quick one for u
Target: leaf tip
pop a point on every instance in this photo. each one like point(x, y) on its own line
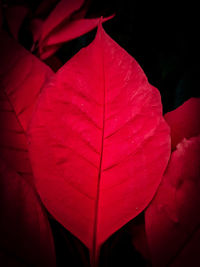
point(100, 27)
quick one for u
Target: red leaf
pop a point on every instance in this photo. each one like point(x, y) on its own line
point(73, 30)
point(61, 13)
point(63, 10)
point(21, 79)
point(184, 121)
point(173, 219)
point(26, 238)
point(67, 33)
point(63, 25)
point(95, 142)
point(15, 16)
point(49, 51)
point(36, 27)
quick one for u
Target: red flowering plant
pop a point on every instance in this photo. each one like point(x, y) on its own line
point(88, 148)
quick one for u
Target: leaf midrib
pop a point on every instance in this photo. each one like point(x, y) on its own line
point(94, 255)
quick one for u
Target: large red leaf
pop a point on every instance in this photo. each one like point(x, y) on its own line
point(184, 121)
point(26, 238)
point(173, 218)
point(98, 142)
point(21, 78)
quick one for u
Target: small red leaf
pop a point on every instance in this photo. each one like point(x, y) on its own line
point(67, 33)
point(63, 10)
point(60, 14)
point(73, 30)
point(184, 121)
point(65, 22)
point(98, 142)
point(26, 238)
point(172, 219)
point(49, 51)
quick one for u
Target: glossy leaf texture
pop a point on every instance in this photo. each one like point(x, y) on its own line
point(184, 121)
point(21, 79)
point(65, 22)
point(98, 142)
point(173, 219)
point(26, 238)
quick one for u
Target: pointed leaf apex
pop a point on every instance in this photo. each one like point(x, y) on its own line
point(100, 27)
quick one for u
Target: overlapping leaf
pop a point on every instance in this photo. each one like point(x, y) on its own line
point(21, 79)
point(173, 219)
point(63, 10)
point(65, 22)
point(98, 142)
point(76, 29)
point(26, 238)
point(184, 121)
